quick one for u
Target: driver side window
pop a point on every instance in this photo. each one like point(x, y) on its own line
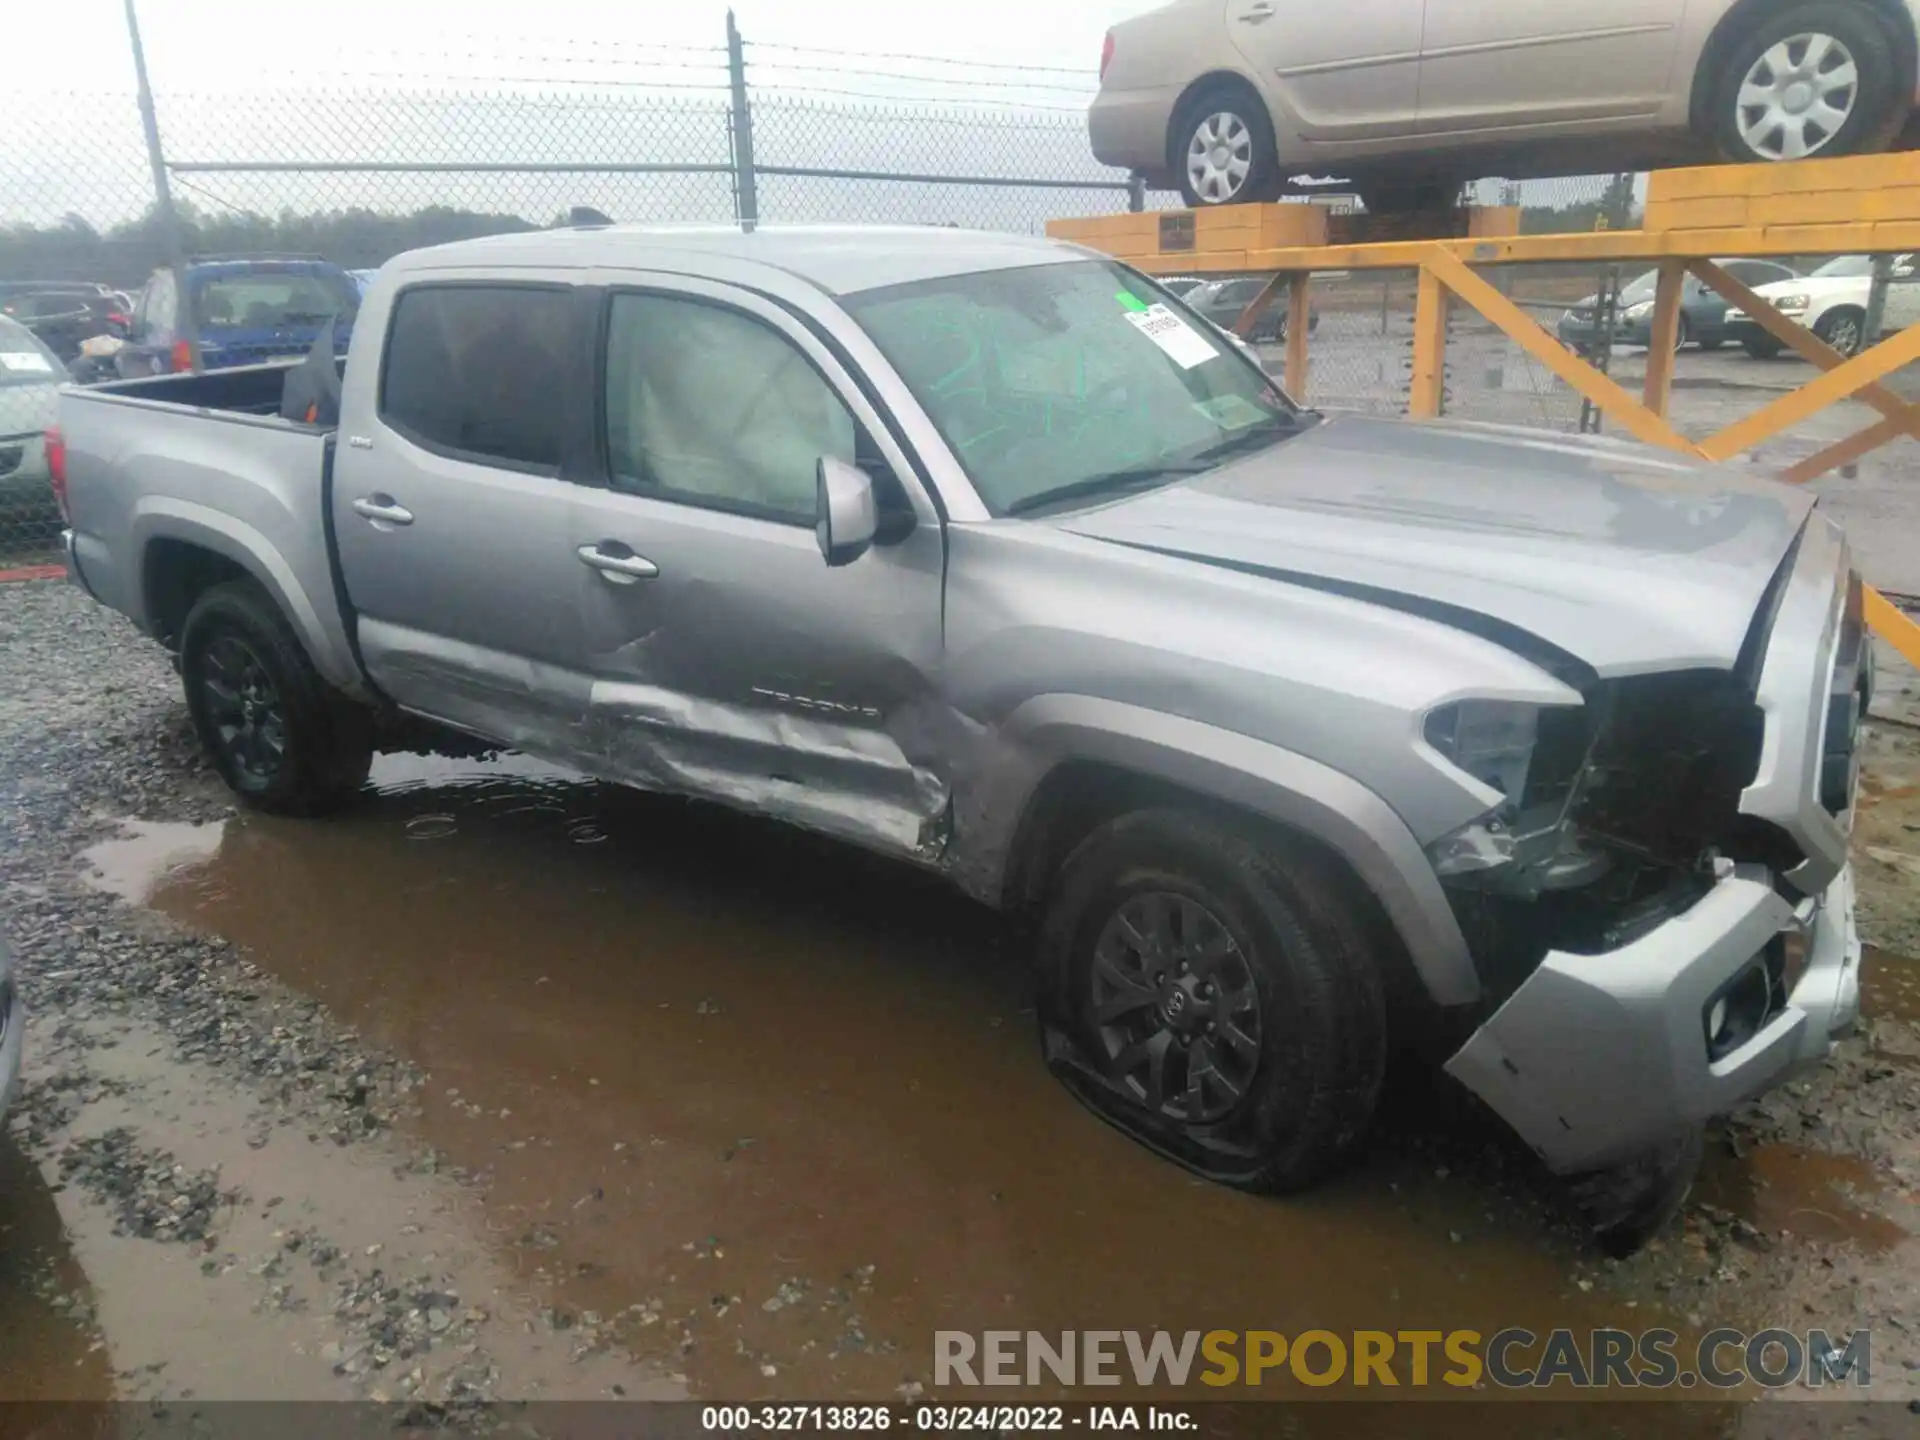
point(708, 406)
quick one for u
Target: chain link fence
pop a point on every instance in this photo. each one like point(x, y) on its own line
point(390, 162)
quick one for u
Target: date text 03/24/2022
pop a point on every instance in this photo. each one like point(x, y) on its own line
point(954, 1419)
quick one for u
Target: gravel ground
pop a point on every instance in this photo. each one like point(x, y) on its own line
point(239, 1161)
point(304, 1249)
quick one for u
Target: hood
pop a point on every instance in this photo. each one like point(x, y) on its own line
point(1815, 285)
point(1608, 552)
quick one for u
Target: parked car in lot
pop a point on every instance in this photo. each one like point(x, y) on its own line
point(30, 379)
point(240, 310)
point(1179, 285)
point(1228, 99)
point(66, 319)
point(1832, 302)
point(1703, 312)
point(1225, 301)
point(1292, 739)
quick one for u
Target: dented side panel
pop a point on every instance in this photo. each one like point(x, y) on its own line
point(750, 672)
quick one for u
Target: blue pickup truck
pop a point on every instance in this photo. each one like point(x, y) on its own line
point(242, 310)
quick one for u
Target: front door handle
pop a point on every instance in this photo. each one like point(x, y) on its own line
point(616, 562)
point(1254, 14)
point(382, 510)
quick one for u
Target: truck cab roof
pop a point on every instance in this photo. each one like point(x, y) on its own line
point(840, 259)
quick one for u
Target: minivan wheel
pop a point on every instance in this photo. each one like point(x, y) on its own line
point(1223, 148)
point(1208, 990)
point(1816, 79)
point(278, 738)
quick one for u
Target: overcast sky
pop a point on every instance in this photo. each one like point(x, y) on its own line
point(237, 44)
point(576, 81)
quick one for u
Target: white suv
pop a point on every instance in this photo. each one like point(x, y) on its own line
point(1832, 302)
point(1227, 99)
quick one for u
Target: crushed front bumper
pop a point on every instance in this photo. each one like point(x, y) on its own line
point(1596, 1057)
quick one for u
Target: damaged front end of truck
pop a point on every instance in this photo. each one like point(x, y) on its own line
point(1657, 897)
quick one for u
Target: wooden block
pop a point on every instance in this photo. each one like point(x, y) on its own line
point(1697, 214)
point(1293, 225)
point(1893, 235)
point(1838, 239)
point(1824, 207)
point(1900, 203)
point(1699, 182)
point(1492, 222)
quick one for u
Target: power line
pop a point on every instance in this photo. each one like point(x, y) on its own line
point(923, 59)
point(1010, 106)
point(969, 81)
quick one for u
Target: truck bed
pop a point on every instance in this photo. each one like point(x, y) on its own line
point(166, 469)
point(242, 390)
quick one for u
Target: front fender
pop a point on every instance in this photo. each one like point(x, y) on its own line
point(1290, 789)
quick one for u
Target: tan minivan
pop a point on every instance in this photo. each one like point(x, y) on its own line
point(1230, 100)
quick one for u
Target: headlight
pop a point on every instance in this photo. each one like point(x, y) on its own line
point(1492, 740)
point(1638, 312)
point(1793, 302)
point(1525, 837)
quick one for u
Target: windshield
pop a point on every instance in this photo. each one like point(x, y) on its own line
point(1643, 288)
point(1846, 267)
point(24, 360)
point(266, 300)
point(1058, 383)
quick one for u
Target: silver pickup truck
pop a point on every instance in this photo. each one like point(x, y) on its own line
point(1292, 740)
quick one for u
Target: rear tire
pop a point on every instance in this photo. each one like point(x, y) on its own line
point(1797, 57)
point(1763, 347)
point(1222, 148)
point(282, 741)
point(1212, 993)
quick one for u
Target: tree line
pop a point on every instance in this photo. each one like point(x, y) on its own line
point(124, 255)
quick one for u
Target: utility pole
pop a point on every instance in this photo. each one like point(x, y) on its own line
point(746, 200)
point(162, 192)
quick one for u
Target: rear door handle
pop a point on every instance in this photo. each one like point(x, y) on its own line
point(382, 510)
point(616, 562)
point(1254, 14)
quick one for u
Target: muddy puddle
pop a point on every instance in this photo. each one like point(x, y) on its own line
point(786, 1099)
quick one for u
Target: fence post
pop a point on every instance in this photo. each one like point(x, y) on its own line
point(1136, 192)
point(162, 191)
point(1876, 301)
point(746, 199)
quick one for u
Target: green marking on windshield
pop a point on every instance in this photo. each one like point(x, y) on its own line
point(1130, 301)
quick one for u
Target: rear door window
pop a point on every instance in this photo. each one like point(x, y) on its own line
point(475, 371)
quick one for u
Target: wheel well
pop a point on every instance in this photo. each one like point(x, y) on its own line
point(1748, 13)
point(1078, 796)
point(175, 574)
point(1213, 79)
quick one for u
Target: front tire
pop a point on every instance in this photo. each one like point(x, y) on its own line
point(1762, 347)
point(1819, 79)
point(1209, 990)
point(278, 737)
point(1222, 148)
point(1844, 328)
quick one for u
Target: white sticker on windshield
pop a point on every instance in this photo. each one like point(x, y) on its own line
point(24, 360)
point(1186, 346)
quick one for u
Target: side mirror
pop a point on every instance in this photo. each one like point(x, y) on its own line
point(846, 513)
